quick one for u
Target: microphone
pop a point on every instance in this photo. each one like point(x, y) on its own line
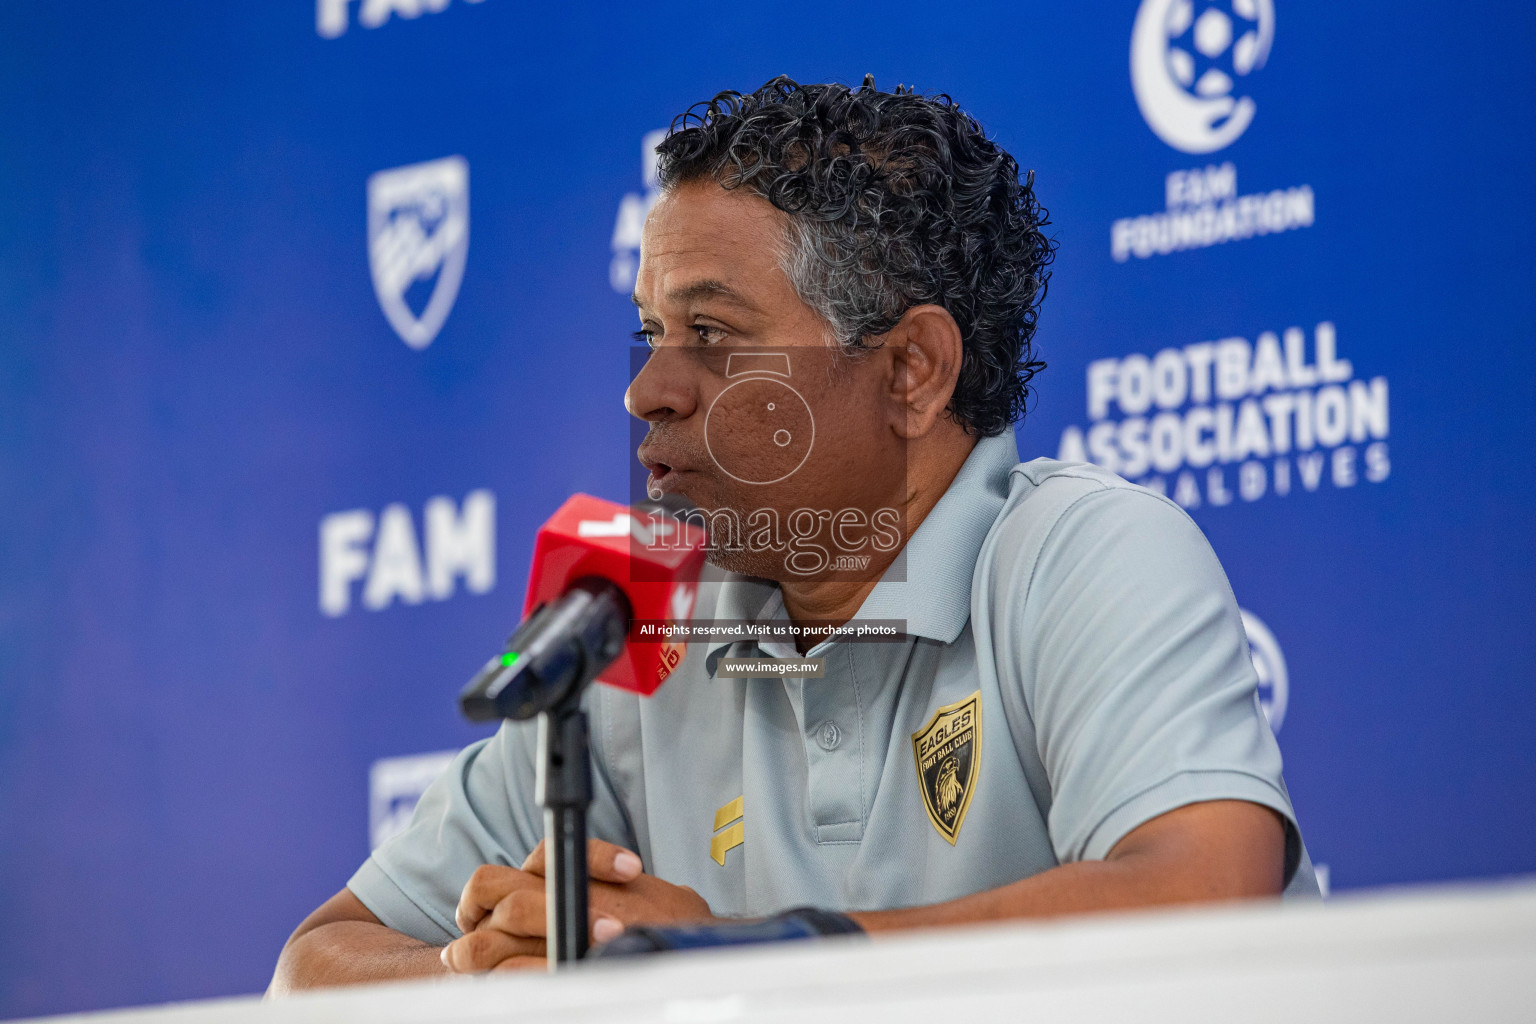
point(597, 567)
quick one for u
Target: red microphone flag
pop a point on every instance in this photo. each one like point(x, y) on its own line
point(653, 558)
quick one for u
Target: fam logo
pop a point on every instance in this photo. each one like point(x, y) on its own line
point(331, 16)
point(629, 225)
point(1269, 663)
point(384, 553)
point(418, 243)
point(1234, 418)
point(1185, 68)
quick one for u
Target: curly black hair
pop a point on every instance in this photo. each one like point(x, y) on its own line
point(894, 200)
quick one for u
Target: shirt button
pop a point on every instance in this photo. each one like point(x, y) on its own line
point(828, 736)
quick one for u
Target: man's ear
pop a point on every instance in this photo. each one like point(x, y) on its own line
point(926, 351)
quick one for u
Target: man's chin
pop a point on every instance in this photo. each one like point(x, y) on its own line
point(693, 490)
point(767, 565)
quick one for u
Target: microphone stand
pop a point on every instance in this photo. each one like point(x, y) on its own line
point(544, 671)
point(564, 789)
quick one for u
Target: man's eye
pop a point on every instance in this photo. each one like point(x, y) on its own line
point(709, 335)
point(645, 337)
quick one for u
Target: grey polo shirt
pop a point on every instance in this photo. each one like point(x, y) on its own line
point(1075, 666)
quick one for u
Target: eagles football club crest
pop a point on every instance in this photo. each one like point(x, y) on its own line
point(948, 752)
point(418, 242)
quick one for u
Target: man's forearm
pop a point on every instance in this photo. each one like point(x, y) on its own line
point(1219, 850)
point(1068, 889)
point(351, 953)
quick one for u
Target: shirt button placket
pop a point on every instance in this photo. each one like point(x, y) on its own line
point(832, 752)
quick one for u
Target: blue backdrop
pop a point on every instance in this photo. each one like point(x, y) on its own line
point(263, 508)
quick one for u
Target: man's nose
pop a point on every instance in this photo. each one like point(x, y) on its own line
point(664, 389)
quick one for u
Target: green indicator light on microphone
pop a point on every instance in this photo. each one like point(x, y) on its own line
point(510, 658)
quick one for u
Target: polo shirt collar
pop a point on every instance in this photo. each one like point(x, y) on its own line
point(933, 590)
point(929, 584)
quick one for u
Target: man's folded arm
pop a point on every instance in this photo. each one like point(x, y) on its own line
point(396, 913)
point(1213, 850)
point(343, 943)
point(398, 910)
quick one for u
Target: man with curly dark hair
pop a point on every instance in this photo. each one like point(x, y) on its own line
point(839, 289)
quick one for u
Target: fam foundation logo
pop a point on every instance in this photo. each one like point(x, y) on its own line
point(1233, 419)
point(629, 225)
point(1189, 59)
point(1186, 68)
point(418, 244)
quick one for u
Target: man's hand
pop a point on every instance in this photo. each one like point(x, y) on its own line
point(501, 911)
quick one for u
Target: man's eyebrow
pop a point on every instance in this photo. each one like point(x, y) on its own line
point(706, 289)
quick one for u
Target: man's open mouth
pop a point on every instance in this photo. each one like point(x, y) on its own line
point(673, 459)
point(665, 475)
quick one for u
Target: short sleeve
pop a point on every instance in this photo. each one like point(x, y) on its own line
point(1129, 646)
point(480, 811)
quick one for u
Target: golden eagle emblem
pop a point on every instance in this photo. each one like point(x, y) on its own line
point(950, 790)
point(948, 753)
